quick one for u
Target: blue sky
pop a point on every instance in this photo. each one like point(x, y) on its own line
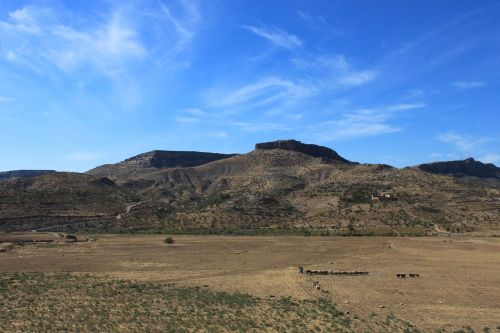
point(84, 83)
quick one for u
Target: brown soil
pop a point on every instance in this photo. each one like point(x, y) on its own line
point(459, 282)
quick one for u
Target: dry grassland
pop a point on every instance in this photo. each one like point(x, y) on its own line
point(458, 288)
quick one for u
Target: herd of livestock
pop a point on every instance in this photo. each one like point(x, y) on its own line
point(316, 272)
point(311, 272)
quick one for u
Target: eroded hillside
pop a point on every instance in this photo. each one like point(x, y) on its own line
point(284, 185)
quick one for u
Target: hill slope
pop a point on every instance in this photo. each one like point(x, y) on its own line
point(23, 173)
point(61, 199)
point(289, 189)
point(468, 167)
point(153, 161)
point(280, 185)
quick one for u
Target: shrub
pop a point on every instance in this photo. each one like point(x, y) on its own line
point(169, 240)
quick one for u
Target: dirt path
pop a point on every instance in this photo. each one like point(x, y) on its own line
point(129, 208)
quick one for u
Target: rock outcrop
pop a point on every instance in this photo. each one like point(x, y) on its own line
point(153, 161)
point(468, 167)
point(324, 153)
point(176, 159)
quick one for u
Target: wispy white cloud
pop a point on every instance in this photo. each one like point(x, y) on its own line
point(191, 115)
point(276, 36)
point(362, 123)
point(185, 24)
point(357, 78)
point(405, 106)
point(355, 125)
point(195, 112)
point(334, 71)
point(217, 124)
point(37, 36)
point(43, 38)
point(125, 44)
point(282, 94)
point(263, 92)
point(317, 22)
point(464, 143)
point(469, 84)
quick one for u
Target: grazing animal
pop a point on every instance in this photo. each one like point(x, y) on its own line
point(401, 275)
point(414, 275)
point(301, 270)
point(71, 238)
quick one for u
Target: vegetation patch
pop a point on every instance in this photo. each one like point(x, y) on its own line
point(37, 302)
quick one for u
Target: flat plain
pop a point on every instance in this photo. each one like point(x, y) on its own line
point(458, 288)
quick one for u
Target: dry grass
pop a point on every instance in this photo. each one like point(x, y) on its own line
point(36, 302)
point(459, 284)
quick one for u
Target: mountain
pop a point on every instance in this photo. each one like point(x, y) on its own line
point(153, 161)
point(23, 173)
point(324, 153)
point(468, 167)
point(281, 185)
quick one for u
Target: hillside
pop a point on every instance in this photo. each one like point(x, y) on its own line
point(153, 161)
point(23, 173)
point(468, 167)
point(291, 190)
point(60, 199)
point(283, 185)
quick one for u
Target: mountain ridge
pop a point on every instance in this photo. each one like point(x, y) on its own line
point(467, 167)
point(155, 160)
point(11, 174)
point(277, 186)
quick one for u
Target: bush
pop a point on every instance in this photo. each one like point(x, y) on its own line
point(169, 240)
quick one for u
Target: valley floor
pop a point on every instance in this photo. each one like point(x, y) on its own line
point(458, 287)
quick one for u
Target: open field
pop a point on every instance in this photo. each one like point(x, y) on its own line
point(459, 284)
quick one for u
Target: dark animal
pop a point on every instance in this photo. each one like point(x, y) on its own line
point(401, 275)
point(414, 275)
point(71, 238)
point(301, 270)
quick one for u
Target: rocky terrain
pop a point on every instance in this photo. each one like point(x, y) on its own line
point(153, 161)
point(61, 199)
point(468, 167)
point(282, 187)
point(326, 154)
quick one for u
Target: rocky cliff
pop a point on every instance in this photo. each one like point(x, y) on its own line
point(324, 153)
point(468, 167)
point(153, 161)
